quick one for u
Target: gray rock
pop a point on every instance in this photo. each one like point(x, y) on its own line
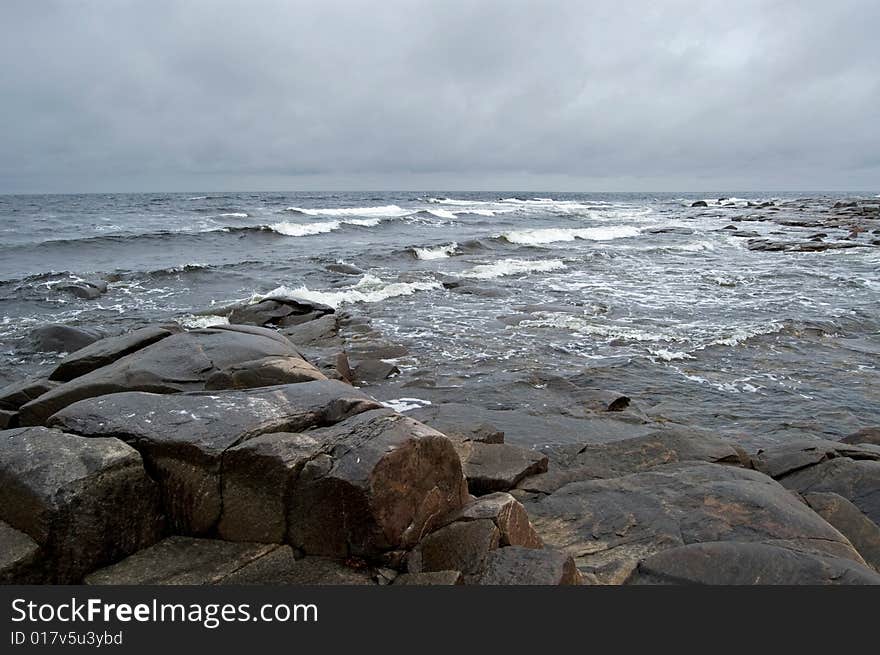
point(87, 502)
point(462, 546)
point(344, 269)
point(448, 419)
point(793, 456)
point(106, 351)
point(265, 372)
point(19, 557)
point(381, 481)
point(492, 467)
point(87, 290)
point(516, 565)
point(374, 370)
point(183, 437)
point(865, 435)
point(62, 338)
point(508, 515)
point(856, 480)
point(863, 533)
point(729, 563)
point(279, 567)
point(180, 362)
point(429, 578)
point(320, 330)
point(14, 395)
point(275, 310)
point(700, 203)
point(8, 419)
point(610, 525)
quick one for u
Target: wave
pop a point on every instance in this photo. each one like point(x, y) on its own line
point(512, 267)
point(233, 215)
point(385, 211)
point(308, 229)
point(439, 252)
point(368, 290)
point(553, 235)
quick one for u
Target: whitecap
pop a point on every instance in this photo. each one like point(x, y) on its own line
point(552, 235)
point(304, 229)
point(369, 289)
point(439, 252)
point(405, 404)
point(233, 215)
point(442, 213)
point(512, 267)
point(385, 211)
point(192, 321)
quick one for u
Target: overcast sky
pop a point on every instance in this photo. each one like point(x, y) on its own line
point(153, 95)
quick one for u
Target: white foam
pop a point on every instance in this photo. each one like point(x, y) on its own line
point(233, 215)
point(440, 252)
point(669, 355)
point(384, 211)
point(304, 229)
point(552, 235)
point(369, 289)
point(512, 267)
point(192, 321)
point(405, 404)
point(441, 213)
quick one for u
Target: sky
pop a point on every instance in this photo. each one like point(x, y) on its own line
point(627, 95)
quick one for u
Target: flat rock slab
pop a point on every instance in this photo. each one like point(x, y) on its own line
point(86, 502)
point(14, 395)
point(176, 363)
point(265, 372)
point(492, 467)
point(379, 482)
point(862, 532)
point(793, 456)
point(106, 351)
point(611, 460)
point(279, 567)
point(429, 578)
point(729, 563)
point(182, 437)
point(516, 565)
point(865, 435)
point(608, 526)
point(321, 330)
point(182, 561)
point(19, 557)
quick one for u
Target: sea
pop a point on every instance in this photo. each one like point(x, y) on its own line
point(638, 293)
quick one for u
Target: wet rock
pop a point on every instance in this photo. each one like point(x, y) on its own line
point(14, 395)
point(268, 333)
point(61, 338)
point(322, 329)
point(256, 482)
point(279, 567)
point(8, 419)
point(182, 561)
point(382, 480)
point(865, 435)
point(344, 269)
point(449, 419)
point(463, 546)
point(374, 370)
point(108, 350)
point(86, 502)
point(516, 565)
point(728, 563)
point(508, 515)
point(492, 467)
point(601, 400)
point(183, 437)
point(87, 290)
point(19, 557)
point(863, 533)
point(429, 578)
point(795, 455)
point(700, 203)
point(856, 480)
point(176, 363)
point(609, 525)
point(265, 372)
point(276, 311)
point(601, 461)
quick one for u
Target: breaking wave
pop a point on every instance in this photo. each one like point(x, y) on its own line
point(552, 235)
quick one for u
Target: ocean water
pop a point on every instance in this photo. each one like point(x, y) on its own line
point(640, 293)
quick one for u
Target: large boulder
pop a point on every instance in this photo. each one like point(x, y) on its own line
point(508, 515)
point(265, 372)
point(16, 394)
point(60, 338)
point(176, 363)
point(609, 525)
point(461, 546)
point(793, 456)
point(86, 502)
point(277, 311)
point(862, 532)
point(379, 482)
point(856, 480)
point(515, 565)
point(19, 557)
point(183, 437)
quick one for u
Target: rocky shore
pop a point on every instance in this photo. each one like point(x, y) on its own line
point(255, 452)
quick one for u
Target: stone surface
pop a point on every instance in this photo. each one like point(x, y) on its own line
point(14, 395)
point(322, 329)
point(429, 578)
point(379, 482)
point(462, 546)
point(865, 435)
point(108, 350)
point(863, 533)
point(279, 567)
point(498, 467)
point(8, 419)
point(374, 370)
point(265, 372)
point(509, 516)
point(609, 525)
point(87, 502)
point(182, 437)
point(516, 565)
point(182, 561)
point(728, 563)
point(856, 480)
point(793, 456)
point(276, 311)
point(60, 338)
point(176, 363)
point(19, 557)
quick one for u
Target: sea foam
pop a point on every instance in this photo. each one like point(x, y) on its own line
point(552, 235)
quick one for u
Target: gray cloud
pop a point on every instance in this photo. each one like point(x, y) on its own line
point(198, 94)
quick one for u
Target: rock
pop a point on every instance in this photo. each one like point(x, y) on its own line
point(863, 533)
point(463, 546)
point(87, 290)
point(492, 467)
point(321, 329)
point(86, 502)
point(374, 370)
point(268, 333)
point(856, 480)
point(14, 395)
point(257, 479)
point(8, 418)
point(382, 481)
point(728, 563)
point(19, 557)
point(611, 460)
point(265, 372)
point(508, 515)
point(62, 338)
point(182, 561)
point(106, 351)
point(275, 310)
point(792, 456)
point(610, 525)
point(183, 437)
point(344, 269)
point(700, 203)
point(865, 435)
point(279, 567)
point(429, 578)
point(516, 565)
point(176, 363)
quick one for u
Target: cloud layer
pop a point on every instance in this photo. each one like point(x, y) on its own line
point(198, 94)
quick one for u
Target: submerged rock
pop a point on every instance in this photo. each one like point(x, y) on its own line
point(60, 338)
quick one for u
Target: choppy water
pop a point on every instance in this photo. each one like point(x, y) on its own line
point(639, 293)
